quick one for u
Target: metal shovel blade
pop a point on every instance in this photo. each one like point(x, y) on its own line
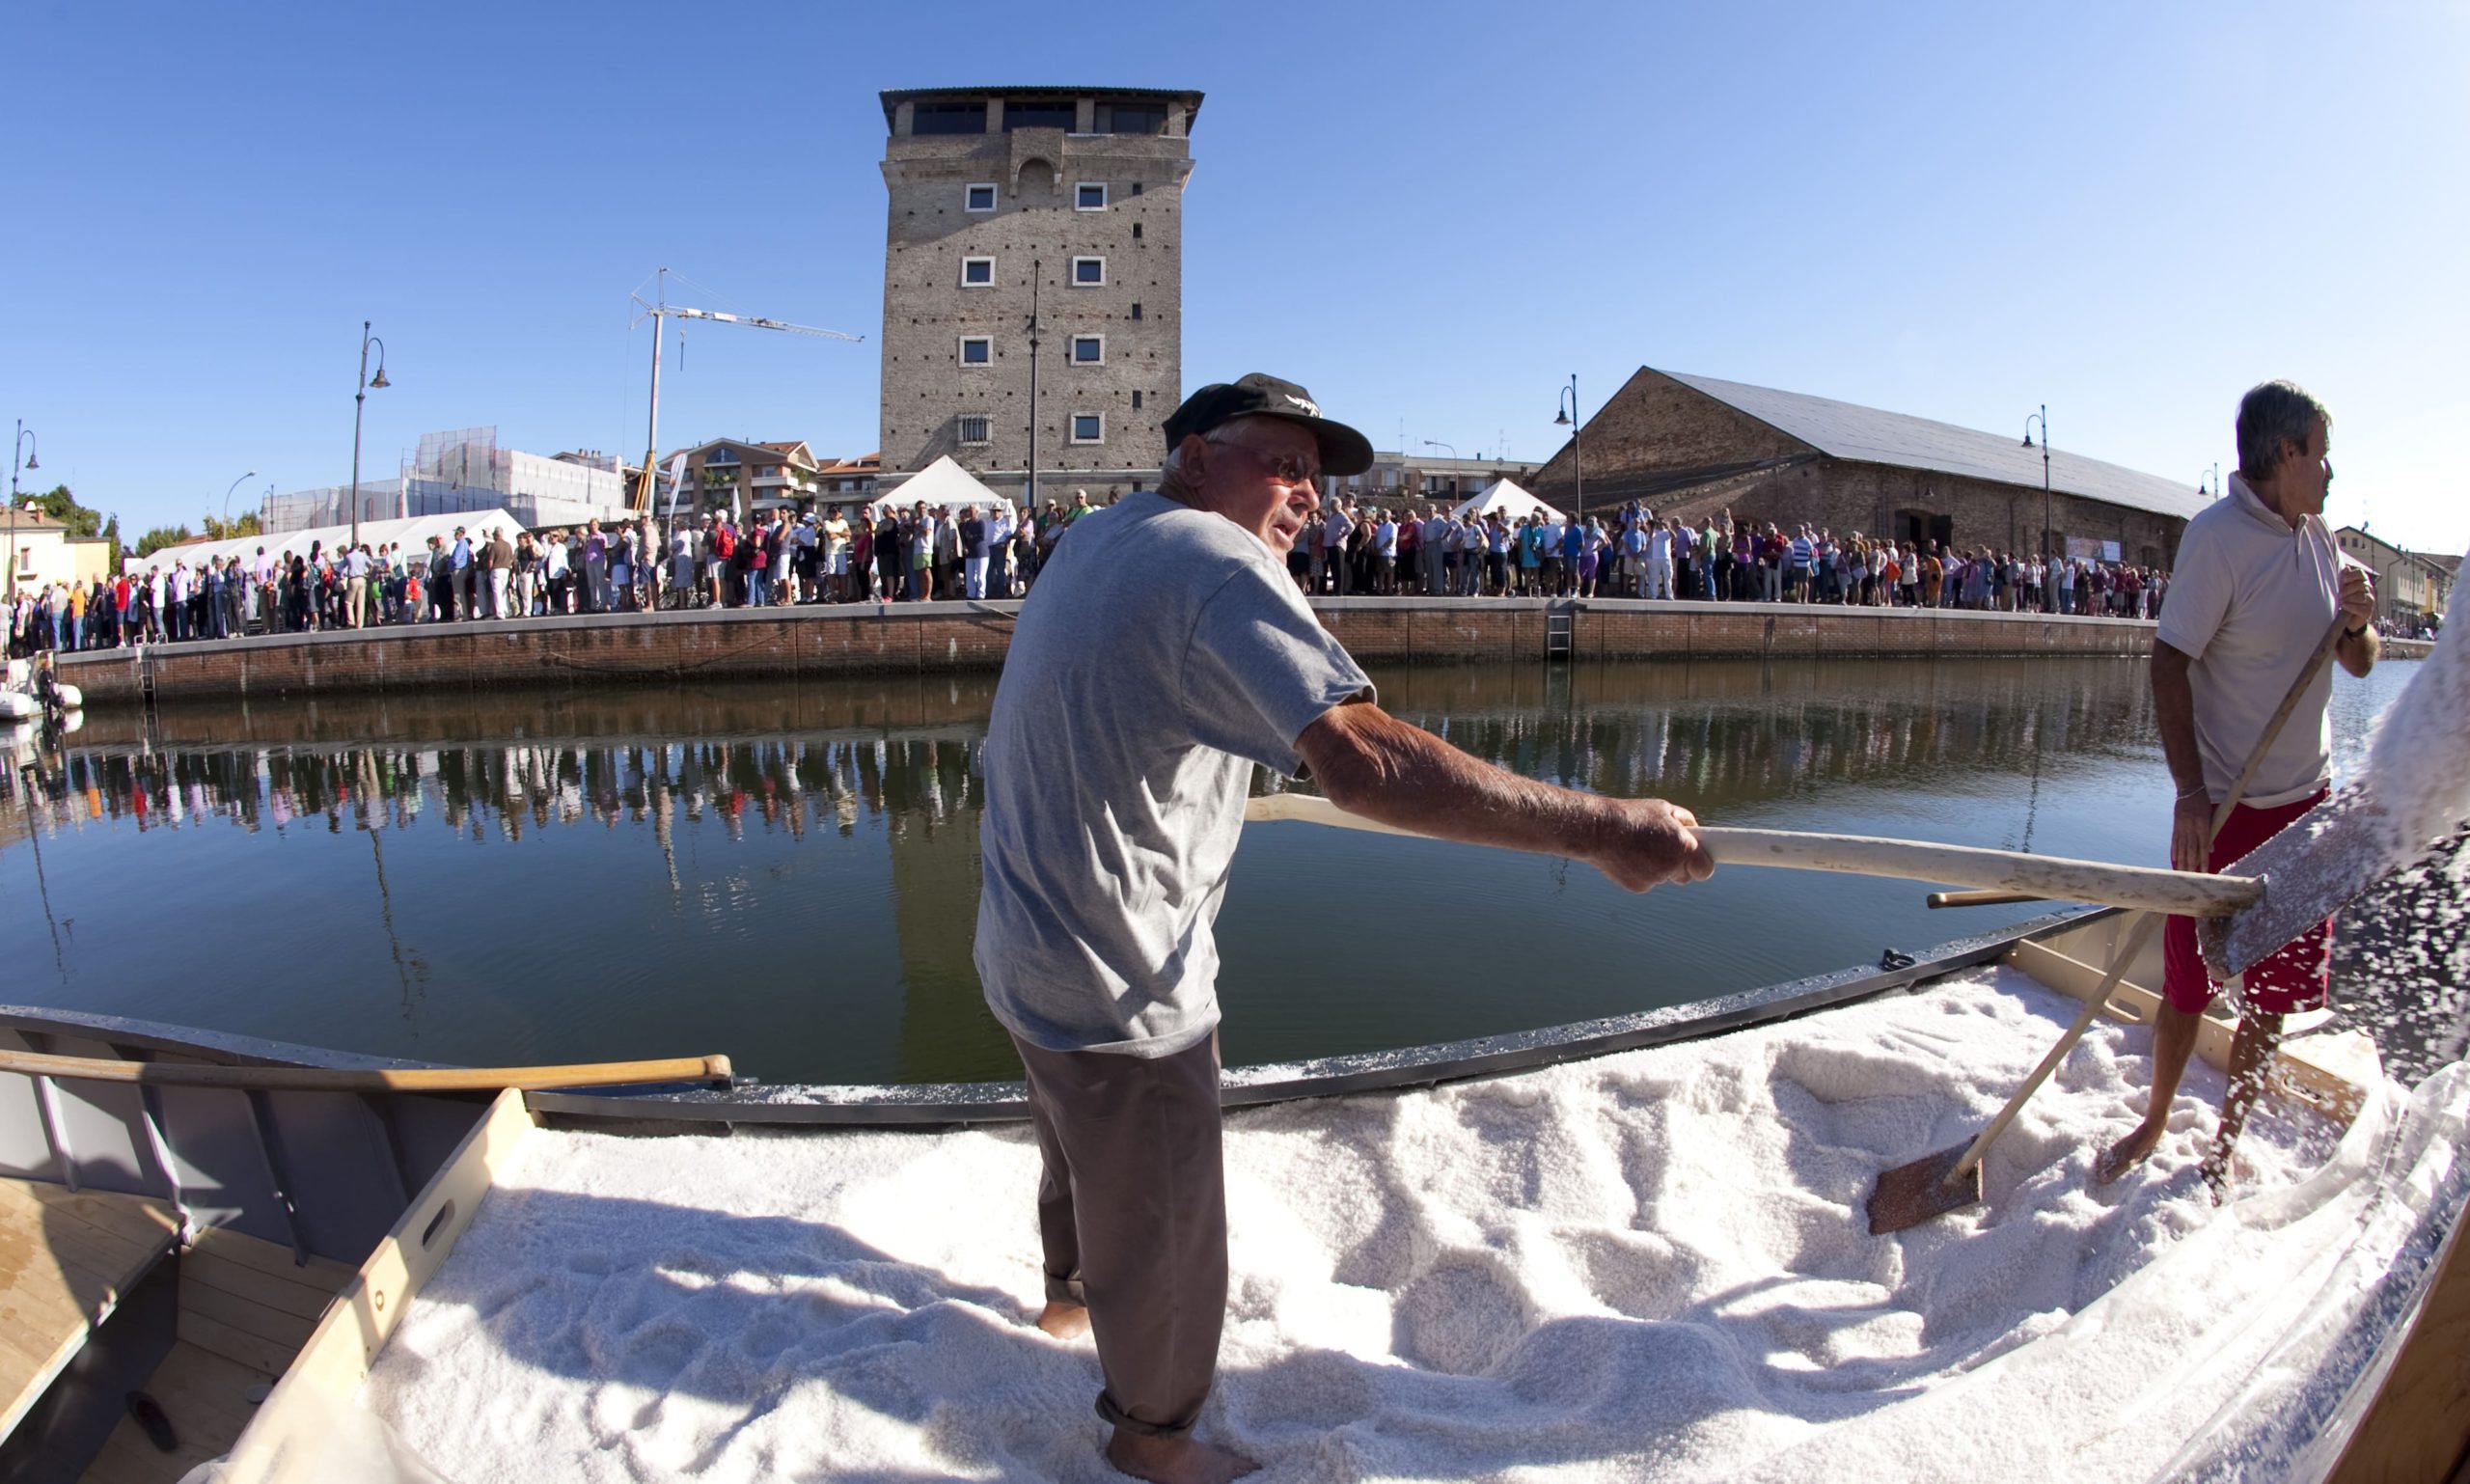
point(1909, 1195)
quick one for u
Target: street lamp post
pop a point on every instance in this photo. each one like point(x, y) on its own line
point(2209, 490)
point(24, 445)
point(227, 500)
point(1569, 419)
point(2043, 418)
point(1455, 491)
point(357, 400)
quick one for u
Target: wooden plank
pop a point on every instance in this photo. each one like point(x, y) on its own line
point(116, 1240)
point(272, 1325)
point(64, 1267)
point(272, 1259)
point(284, 1443)
point(129, 1458)
point(201, 1269)
point(209, 1332)
point(2418, 1427)
point(136, 1219)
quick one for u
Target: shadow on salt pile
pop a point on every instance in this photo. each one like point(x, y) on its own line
point(703, 1313)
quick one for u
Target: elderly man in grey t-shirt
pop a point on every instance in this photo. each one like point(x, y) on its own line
point(1162, 654)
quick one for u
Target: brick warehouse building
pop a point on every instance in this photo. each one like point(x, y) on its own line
point(1692, 446)
point(1083, 186)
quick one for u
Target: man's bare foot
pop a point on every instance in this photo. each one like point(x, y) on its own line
point(1064, 1319)
point(2127, 1153)
point(1185, 1460)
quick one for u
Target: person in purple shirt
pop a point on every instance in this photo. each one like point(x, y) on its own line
point(595, 569)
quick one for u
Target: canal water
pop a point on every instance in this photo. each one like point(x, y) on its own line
point(788, 873)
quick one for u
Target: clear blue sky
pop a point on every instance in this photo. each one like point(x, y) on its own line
point(1430, 214)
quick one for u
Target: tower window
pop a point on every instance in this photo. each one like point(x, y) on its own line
point(1089, 350)
point(1086, 272)
point(980, 195)
point(1089, 196)
point(977, 350)
point(1088, 427)
point(1135, 231)
point(1135, 308)
point(1135, 401)
point(948, 119)
point(978, 272)
point(974, 430)
point(1132, 118)
point(1038, 113)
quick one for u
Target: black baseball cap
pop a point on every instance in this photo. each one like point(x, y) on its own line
point(1343, 450)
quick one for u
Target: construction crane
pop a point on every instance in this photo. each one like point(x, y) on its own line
point(660, 309)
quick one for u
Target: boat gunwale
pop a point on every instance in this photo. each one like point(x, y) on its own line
point(940, 1104)
point(928, 1105)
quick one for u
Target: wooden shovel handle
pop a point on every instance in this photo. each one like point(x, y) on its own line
point(2036, 875)
point(319, 1078)
point(2146, 887)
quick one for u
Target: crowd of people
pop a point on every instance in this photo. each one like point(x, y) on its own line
point(1630, 551)
point(884, 553)
point(772, 559)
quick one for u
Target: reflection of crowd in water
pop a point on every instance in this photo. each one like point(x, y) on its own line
point(1734, 742)
point(776, 783)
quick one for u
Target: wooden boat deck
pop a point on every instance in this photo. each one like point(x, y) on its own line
point(245, 1311)
point(67, 1260)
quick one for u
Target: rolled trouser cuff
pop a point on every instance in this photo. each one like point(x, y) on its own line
point(1115, 1414)
point(1066, 1290)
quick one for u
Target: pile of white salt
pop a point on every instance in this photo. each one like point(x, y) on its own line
point(1645, 1266)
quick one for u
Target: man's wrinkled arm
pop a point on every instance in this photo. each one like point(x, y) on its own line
point(1370, 763)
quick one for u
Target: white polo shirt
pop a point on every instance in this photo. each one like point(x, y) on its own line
point(2250, 600)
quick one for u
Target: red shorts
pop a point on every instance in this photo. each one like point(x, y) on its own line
point(2297, 977)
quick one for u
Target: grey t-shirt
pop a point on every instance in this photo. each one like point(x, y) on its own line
point(1162, 652)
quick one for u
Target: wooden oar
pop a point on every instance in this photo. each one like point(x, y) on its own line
point(1950, 1180)
point(2033, 875)
point(319, 1078)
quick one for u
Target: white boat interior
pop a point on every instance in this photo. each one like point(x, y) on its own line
point(1625, 1249)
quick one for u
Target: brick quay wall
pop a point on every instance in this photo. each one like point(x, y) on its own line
point(926, 638)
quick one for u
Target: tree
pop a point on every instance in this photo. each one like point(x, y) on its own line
point(61, 505)
point(111, 534)
point(247, 524)
point(161, 537)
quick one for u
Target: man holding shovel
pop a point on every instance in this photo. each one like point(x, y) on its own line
point(2259, 581)
point(1161, 655)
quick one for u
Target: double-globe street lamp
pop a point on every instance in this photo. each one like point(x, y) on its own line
point(1569, 419)
point(25, 446)
point(2043, 418)
point(359, 400)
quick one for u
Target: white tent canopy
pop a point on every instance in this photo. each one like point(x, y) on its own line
point(1513, 502)
point(412, 533)
point(944, 485)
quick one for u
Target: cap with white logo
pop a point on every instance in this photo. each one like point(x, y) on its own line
point(1343, 450)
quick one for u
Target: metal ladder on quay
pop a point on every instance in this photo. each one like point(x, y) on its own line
point(1558, 624)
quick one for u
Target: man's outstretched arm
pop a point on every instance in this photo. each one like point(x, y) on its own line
point(1370, 763)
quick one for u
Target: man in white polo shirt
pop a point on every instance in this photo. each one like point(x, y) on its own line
point(1161, 655)
point(2258, 581)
